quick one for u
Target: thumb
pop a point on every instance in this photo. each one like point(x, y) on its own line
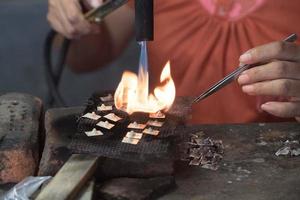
point(93, 3)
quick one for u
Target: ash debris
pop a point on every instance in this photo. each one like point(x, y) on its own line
point(204, 152)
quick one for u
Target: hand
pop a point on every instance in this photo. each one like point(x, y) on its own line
point(66, 17)
point(278, 75)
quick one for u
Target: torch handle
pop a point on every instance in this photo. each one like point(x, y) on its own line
point(144, 20)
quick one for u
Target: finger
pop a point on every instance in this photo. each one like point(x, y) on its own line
point(279, 87)
point(69, 30)
point(271, 71)
point(276, 50)
point(282, 109)
point(55, 22)
point(76, 18)
point(92, 3)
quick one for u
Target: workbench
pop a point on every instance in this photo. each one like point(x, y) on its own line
point(249, 170)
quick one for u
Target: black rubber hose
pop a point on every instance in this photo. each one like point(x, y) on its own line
point(54, 72)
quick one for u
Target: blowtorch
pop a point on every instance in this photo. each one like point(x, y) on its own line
point(144, 25)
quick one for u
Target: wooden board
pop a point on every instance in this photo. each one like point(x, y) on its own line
point(71, 178)
point(87, 191)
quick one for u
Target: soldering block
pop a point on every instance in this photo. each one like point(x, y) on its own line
point(19, 136)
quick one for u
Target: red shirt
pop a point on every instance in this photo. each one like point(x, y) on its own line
point(203, 39)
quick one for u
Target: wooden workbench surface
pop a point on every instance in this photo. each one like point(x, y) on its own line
point(250, 169)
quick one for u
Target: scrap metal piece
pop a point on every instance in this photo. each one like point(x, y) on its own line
point(104, 108)
point(113, 117)
point(135, 135)
point(290, 148)
point(105, 124)
point(107, 98)
point(206, 153)
point(92, 116)
point(157, 115)
point(135, 125)
point(155, 123)
point(195, 161)
point(93, 132)
point(130, 140)
point(151, 131)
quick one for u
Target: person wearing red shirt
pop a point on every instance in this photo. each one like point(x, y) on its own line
point(204, 40)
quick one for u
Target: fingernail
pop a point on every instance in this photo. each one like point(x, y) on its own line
point(267, 106)
point(243, 79)
point(248, 89)
point(245, 58)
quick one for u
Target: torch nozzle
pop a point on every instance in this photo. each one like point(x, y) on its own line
point(144, 20)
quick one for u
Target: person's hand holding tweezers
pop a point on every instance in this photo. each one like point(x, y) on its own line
point(277, 76)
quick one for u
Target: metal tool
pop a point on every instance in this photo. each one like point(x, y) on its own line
point(233, 75)
point(97, 14)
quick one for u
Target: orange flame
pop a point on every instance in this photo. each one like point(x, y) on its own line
point(132, 93)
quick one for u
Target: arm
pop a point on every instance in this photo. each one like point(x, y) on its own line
point(92, 45)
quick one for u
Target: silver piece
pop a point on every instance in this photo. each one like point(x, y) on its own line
point(104, 108)
point(151, 131)
point(135, 125)
point(112, 117)
point(130, 140)
point(195, 161)
point(93, 132)
point(92, 115)
point(105, 124)
point(155, 123)
point(135, 135)
point(283, 151)
point(157, 115)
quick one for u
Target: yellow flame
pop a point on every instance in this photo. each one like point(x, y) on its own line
point(132, 92)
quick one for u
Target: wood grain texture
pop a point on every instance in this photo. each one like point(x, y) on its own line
point(87, 191)
point(71, 178)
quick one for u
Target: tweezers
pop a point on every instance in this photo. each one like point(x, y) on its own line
point(232, 76)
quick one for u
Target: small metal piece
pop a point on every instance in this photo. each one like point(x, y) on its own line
point(151, 131)
point(233, 75)
point(92, 115)
point(135, 135)
point(105, 125)
point(195, 161)
point(135, 125)
point(104, 108)
point(155, 123)
point(109, 97)
point(93, 132)
point(130, 140)
point(158, 115)
point(112, 117)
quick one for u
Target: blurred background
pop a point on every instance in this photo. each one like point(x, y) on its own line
point(23, 28)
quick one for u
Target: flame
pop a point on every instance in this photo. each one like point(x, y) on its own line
point(132, 94)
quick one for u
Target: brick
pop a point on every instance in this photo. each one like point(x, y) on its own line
point(19, 136)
